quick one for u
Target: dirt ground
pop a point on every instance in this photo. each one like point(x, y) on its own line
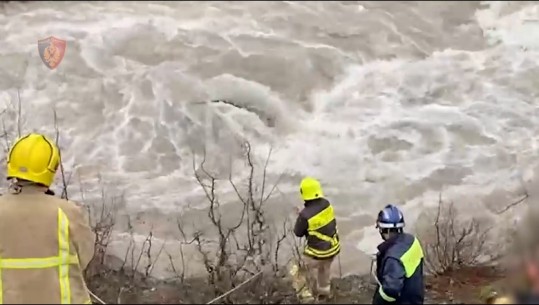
point(464, 286)
point(461, 287)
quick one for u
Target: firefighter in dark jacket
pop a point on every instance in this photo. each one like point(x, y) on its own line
point(316, 221)
point(399, 262)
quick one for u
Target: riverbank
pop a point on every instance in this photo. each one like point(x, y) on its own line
point(113, 287)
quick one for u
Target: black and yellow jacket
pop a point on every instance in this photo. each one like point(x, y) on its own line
point(317, 223)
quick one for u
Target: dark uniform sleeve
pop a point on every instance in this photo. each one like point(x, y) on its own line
point(392, 282)
point(300, 229)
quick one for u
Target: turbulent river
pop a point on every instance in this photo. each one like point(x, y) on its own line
point(384, 102)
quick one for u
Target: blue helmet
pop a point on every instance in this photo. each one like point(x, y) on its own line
point(390, 217)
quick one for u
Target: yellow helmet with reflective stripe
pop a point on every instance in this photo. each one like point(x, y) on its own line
point(310, 189)
point(33, 158)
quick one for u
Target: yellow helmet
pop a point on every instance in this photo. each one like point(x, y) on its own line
point(34, 158)
point(310, 189)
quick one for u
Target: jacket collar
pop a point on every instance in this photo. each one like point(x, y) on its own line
point(27, 188)
point(311, 202)
point(383, 247)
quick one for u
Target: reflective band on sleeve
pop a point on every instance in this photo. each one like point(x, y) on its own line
point(63, 253)
point(385, 296)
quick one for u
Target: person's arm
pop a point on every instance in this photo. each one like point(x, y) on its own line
point(300, 229)
point(83, 238)
point(391, 282)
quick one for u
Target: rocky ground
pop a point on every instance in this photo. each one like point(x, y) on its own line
point(462, 287)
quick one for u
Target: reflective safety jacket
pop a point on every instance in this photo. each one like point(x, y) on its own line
point(317, 222)
point(45, 245)
point(399, 269)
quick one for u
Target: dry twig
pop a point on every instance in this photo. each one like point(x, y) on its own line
point(235, 288)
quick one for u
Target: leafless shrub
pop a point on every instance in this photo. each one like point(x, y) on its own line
point(244, 247)
point(242, 256)
point(453, 241)
point(12, 110)
point(102, 217)
point(12, 120)
point(102, 221)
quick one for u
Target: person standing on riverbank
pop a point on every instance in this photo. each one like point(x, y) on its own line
point(316, 222)
point(399, 262)
point(45, 242)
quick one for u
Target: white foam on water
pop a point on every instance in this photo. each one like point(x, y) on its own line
point(514, 28)
point(378, 112)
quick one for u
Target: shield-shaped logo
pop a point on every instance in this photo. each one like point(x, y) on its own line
point(51, 51)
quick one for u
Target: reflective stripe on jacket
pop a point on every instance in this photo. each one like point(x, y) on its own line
point(400, 271)
point(45, 245)
point(317, 222)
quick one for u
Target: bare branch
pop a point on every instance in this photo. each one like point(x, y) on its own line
point(264, 175)
point(19, 115)
point(513, 204)
point(235, 289)
point(454, 242)
point(64, 182)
